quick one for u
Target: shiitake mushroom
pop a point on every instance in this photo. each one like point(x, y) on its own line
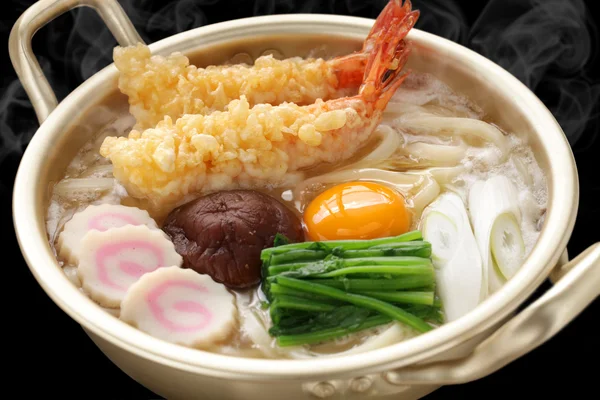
point(222, 234)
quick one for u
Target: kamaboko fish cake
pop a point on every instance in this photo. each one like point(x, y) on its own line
point(251, 147)
point(159, 86)
point(180, 306)
point(112, 260)
point(98, 217)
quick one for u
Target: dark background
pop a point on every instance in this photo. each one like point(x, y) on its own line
point(551, 45)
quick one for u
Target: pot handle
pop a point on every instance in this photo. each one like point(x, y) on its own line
point(35, 17)
point(577, 284)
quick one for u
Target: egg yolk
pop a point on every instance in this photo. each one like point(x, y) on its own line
point(356, 210)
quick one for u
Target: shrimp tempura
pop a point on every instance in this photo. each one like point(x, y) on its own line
point(250, 147)
point(160, 86)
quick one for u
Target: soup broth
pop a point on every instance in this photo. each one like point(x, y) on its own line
point(430, 141)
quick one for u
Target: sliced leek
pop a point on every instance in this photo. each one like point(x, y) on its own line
point(443, 235)
point(475, 193)
point(496, 218)
point(455, 255)
point(508, 247)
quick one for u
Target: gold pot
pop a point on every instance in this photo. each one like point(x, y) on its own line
point(469, 348)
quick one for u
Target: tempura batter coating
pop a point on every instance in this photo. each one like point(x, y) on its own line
point(250, 147)
point(240, 147)
point(159, 86)
point(169, 86)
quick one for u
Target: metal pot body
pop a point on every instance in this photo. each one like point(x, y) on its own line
point(176, 384)
point(476, 345)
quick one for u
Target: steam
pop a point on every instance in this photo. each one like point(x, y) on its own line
point(443, 18)
point(547, 44)
point(14, 100)
point(270, 7)
point(182, 15)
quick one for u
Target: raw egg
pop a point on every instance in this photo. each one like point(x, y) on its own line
point(356, 210)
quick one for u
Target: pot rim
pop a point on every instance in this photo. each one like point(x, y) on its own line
point(562, 208)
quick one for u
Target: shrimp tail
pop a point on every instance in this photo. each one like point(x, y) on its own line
point(350, 69)
point(393, 10)
point(383, 72)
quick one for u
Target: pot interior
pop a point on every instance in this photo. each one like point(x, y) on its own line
point(106, 103)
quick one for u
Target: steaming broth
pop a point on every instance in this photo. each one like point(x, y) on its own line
point(425, 163)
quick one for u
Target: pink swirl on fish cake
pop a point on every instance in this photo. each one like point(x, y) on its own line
point(96, 221)
point(133, 269)
point(188, 306)
point(180, 306)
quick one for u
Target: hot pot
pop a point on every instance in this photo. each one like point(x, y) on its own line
point(472, 347)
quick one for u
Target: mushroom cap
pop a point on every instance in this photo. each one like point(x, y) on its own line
point(222, 234)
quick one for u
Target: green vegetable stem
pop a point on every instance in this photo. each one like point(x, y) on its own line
point(321, 291)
